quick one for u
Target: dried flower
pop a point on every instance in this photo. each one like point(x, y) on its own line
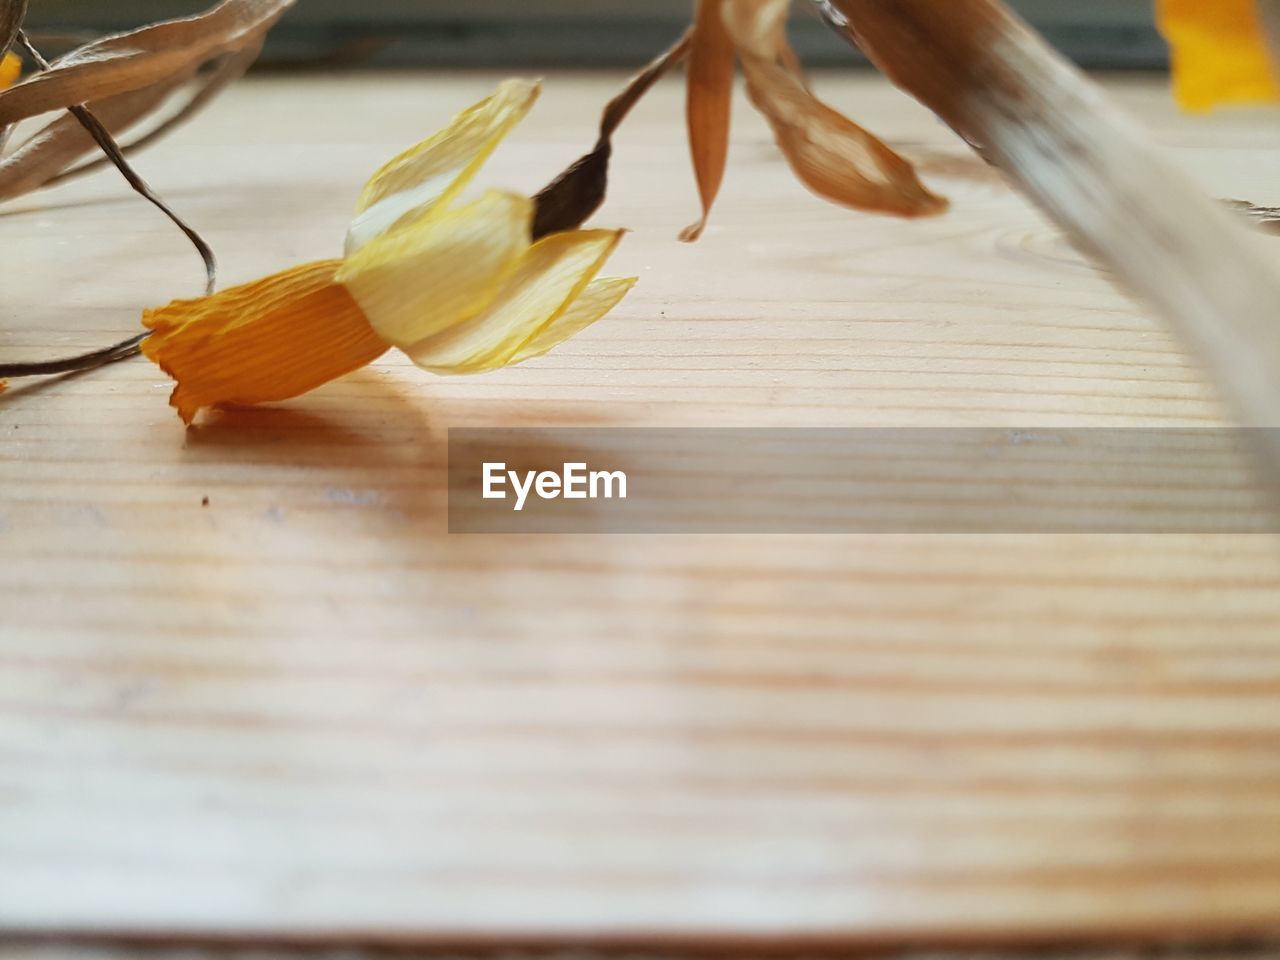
point(459, 288)
point(1219, 52)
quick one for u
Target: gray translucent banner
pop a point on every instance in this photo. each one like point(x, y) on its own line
point(846, 480)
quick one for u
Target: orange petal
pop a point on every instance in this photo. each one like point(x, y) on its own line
point(1219, 52)
point(708, 94)
point(831, 155)
point(10, 70)
point(267, 340)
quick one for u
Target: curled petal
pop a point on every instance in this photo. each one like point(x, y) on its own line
point(708, 94)
point(546, 282)
point(1219, 52)
point(439, 270)
point(599, 297)
point(832, 155)
point(267, 340)
point(432, 173)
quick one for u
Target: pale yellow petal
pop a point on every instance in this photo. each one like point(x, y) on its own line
point(432, 173)
point(547, 280)
point(439, 270)
point(594, 302)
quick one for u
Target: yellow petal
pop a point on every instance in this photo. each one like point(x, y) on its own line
point(548, 278)
point(1219, 52)
point(10, 70)
point(436, 170)
point(594, 302)
point(832, 155)
point(439, 270)
point(267, 340)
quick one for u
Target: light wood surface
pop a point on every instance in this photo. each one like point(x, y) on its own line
point(304, 711)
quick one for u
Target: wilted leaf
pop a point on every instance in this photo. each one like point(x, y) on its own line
point(831, 154)
point(126, 76)
point(208, 83)
point(575, 194)
point(708, 97)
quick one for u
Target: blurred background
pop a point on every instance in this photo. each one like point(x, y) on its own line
point(1102, 34)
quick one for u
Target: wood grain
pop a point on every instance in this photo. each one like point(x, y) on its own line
point(304, 712)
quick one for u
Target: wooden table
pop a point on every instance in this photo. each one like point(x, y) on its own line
point(304, 712)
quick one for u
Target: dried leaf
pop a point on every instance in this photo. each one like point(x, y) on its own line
point(267, 340)
point(125, 76)
point(568, 200)
point(832, 155)
point(141, 58)
point(40, 157)
point(143, 66)
point(708, 97)
point(102, 137)
point(207, 85)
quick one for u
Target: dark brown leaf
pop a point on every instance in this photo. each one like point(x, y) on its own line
point(567, 201)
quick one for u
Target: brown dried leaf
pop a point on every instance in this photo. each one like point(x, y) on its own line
point(41, 156)
point(124, 78)
point(708, 97)
point(142, 58)
point(832, 155)
point(567, 201)
point(203, 89)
